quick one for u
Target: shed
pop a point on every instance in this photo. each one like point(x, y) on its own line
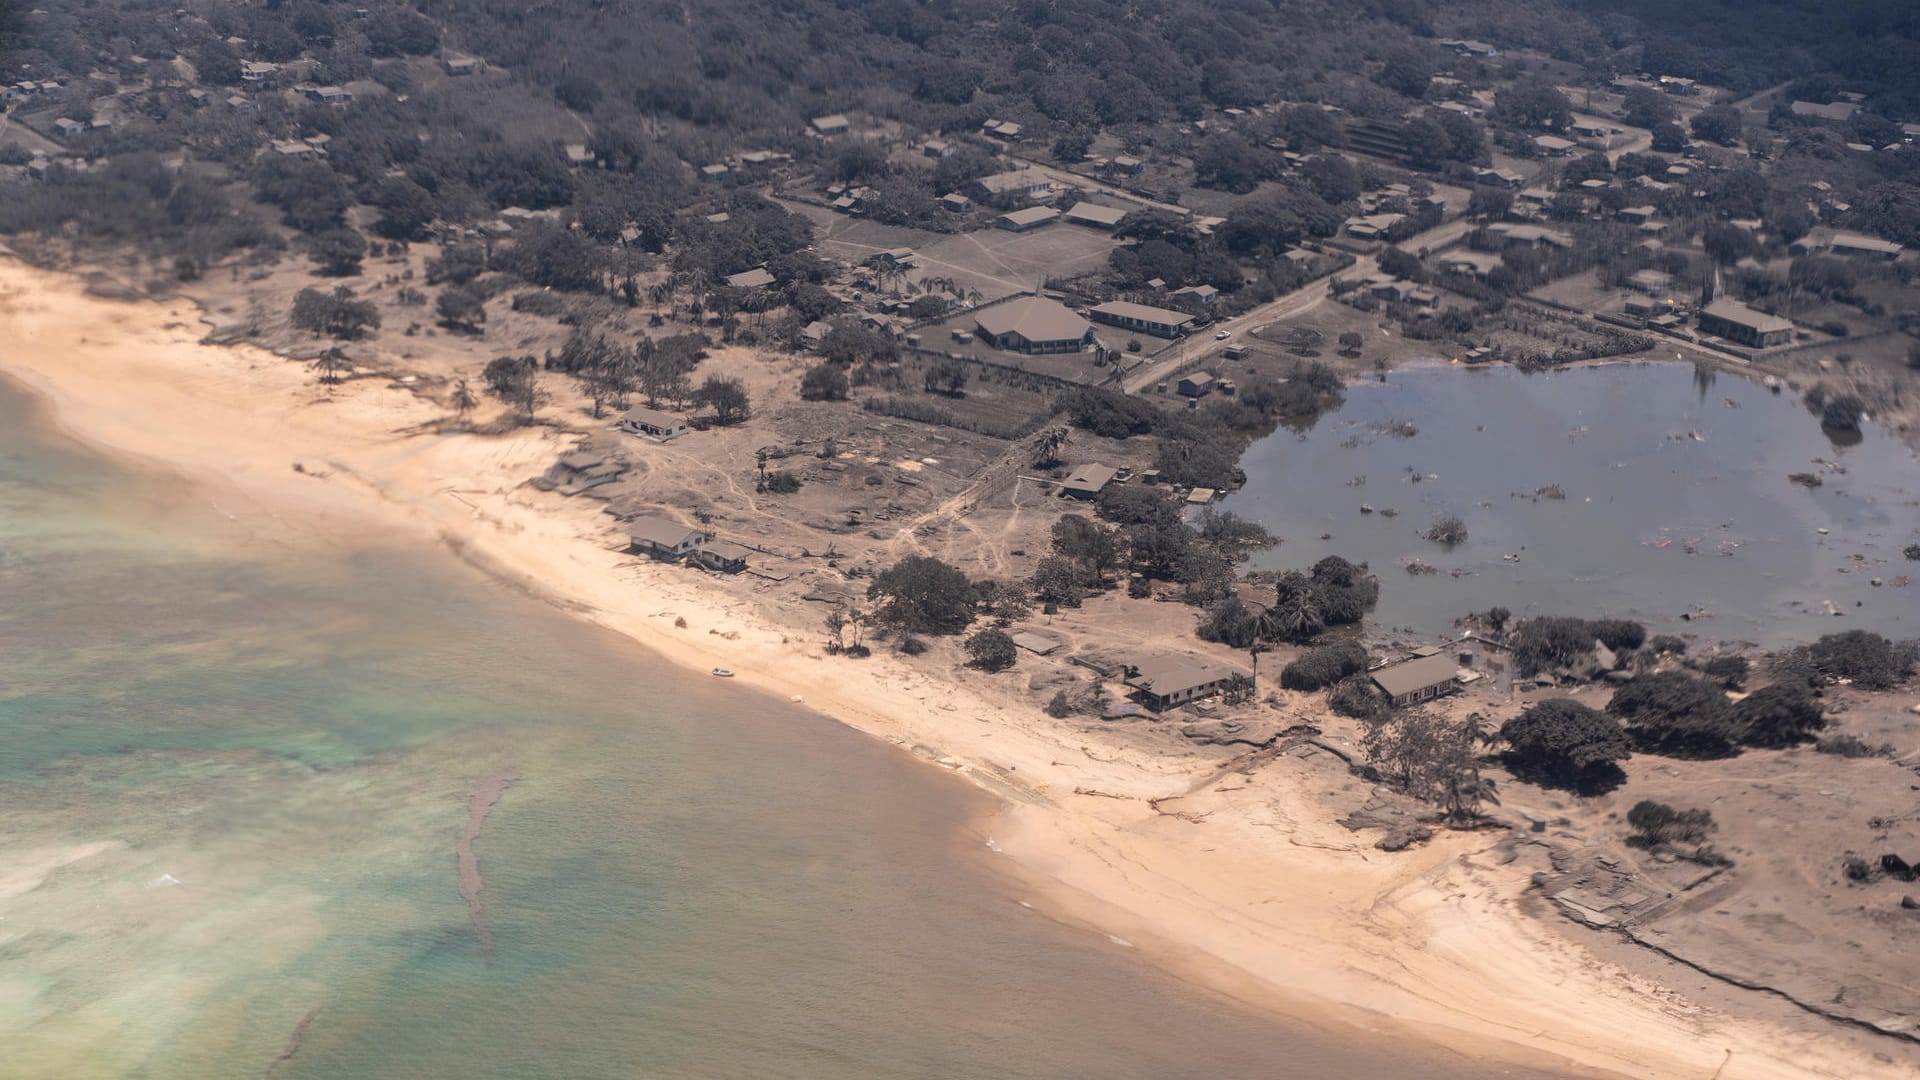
point(1198, 384)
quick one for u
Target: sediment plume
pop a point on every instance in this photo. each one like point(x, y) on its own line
point(293, 1041)
point(485, 794)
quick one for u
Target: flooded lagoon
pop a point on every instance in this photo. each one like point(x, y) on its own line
point(1647, 491)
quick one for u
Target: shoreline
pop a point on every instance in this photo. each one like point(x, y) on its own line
point(1295, 916)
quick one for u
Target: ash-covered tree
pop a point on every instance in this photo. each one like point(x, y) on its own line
point(1676, 715)
point(515, 380)
point(824, 382)
point(1056, 581)
point(406, 209)
point(1562, 743)
point(1295, 615)
point(1324, 667)
point(1533, 104)
point(1230, 623)
point(1717, 124)
point(946, 376)
point(337, 252)
point(1089, 546)
point(461, 308)
point(922, 595)
point(992, 649)
point(727, 398)
point(1782, 714)
point(336, 314)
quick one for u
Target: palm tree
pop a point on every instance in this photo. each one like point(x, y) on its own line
point(464, 401)
point(330, 364)
point(1295, 614)
point(1048, 446)
point(1466, 789)
point(1253, 655)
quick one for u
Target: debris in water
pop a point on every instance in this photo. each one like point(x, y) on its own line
point(162, 882)
point(1804, 479)
point(1366, 508)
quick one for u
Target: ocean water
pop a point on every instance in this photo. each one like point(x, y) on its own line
point(1677, 510)
point(233, 794)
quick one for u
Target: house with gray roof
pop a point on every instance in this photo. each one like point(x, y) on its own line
point(663, 538)
point(1160, 322)
point(1167, 681)
point(1420, 679)
point(1032, 324)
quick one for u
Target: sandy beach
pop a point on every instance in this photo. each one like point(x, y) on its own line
point(1249, 886)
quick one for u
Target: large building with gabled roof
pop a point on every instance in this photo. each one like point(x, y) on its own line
point(1032, 324)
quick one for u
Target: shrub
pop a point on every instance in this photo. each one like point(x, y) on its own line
point(1548, 642)
point(1668, 645)
point(1656, 823)
point(1562, 743)
point(1728, 671)
point(1778, 715)
point(782, 483)
point(1620, 635)
point(1871, 661)
point(1324, 667)
point(1230, 624)
point(1356, 696)
point(992, 649)
point(1449, 530)
point(1675, 714)
point(912, 646)
point(824, 382)
point(1852, 746)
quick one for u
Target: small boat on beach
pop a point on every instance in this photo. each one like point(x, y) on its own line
point(723, 672)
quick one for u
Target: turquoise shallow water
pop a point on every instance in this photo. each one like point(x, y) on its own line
point(231, 791)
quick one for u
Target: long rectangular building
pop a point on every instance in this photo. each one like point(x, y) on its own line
point(1159, 322)
point(1742, 325)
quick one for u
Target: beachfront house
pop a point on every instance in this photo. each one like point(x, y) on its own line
point(1420, 679)
point(722, 556)
point(652, 423)
point(663, 538)
point(1167, 681)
